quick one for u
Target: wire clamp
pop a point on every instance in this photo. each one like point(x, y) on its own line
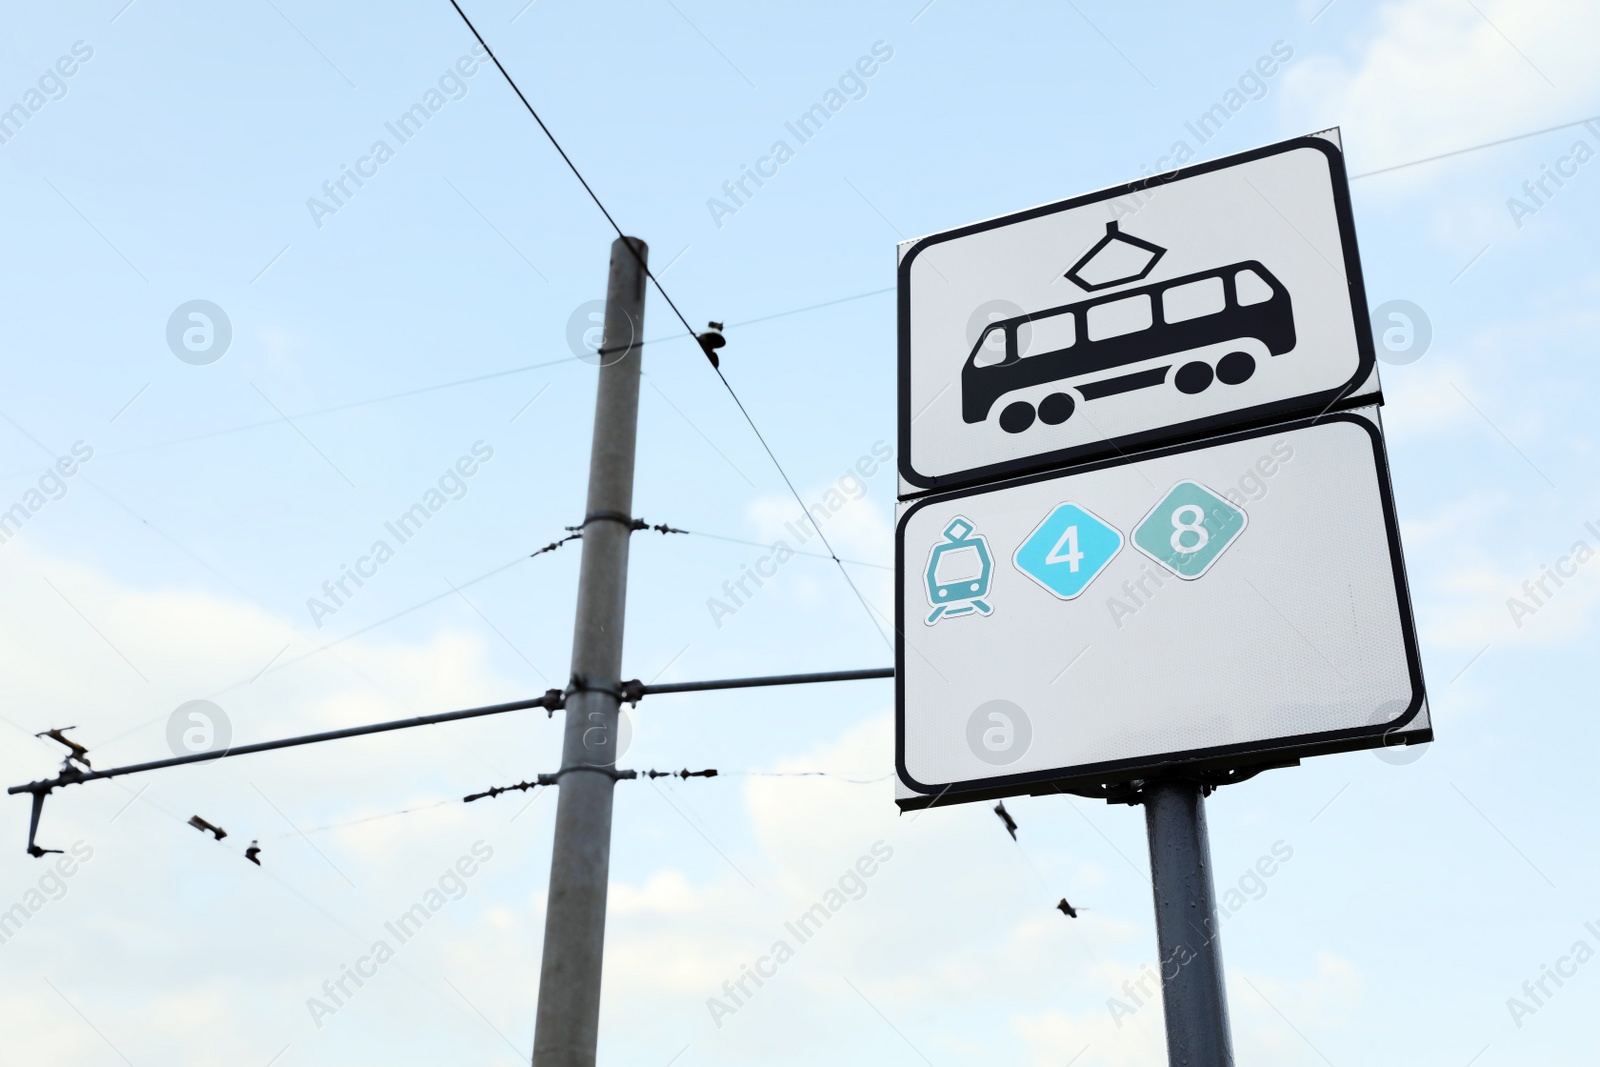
point(607, 516)
point(553, 700)
point(580, 684)
point(627, 520)
point(609, 772)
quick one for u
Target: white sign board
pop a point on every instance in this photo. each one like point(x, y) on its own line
point(1225, 294)
point(1210, 604)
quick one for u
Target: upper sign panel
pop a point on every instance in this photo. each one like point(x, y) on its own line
point(1226, 294)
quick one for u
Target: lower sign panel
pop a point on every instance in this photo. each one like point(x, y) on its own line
point(1222, 605)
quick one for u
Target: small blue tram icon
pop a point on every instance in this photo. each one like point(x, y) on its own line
point(959, 571)
point(1160, 321)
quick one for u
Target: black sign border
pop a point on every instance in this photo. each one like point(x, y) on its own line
point(1323, 401)
point(1246, 754)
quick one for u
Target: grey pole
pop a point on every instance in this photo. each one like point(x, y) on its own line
point(567, 1027)
point(1192, 991)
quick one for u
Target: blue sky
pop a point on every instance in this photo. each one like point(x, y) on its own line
point(431, 312)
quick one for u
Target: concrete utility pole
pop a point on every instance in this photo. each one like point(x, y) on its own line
point(568, 1024)
point(1192, 992)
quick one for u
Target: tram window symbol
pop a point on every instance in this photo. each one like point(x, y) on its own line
point(1130, 314)
point(961, 565)
point(1194, 300)
point(1158, 321)
point(958, 573)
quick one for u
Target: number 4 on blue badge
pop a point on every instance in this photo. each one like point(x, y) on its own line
point(1068, 550)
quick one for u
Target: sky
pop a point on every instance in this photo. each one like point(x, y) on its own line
point(427, 323)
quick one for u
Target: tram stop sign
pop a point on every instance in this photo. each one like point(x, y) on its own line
point(1175, 307)
point(1145, 522)
point(1240, 600)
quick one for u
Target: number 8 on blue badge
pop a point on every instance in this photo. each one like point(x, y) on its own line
point(1189, 529)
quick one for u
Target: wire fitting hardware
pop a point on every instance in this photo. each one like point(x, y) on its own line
point(553, 545)
point(611, 772)
point(580, 684)
point(1132, 792)
point(630, 691)
point(575, 533)
point(494, 791)
point(627, 520)
point(605, 516)
point(72, 775)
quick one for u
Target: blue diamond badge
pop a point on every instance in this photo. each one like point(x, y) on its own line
point(1068, 550)
point(1189, 529)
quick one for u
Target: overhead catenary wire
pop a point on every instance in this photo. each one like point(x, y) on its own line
point(553, 546)
point(454, 591)
point(781, 314)
point(811, 774)
point(350, 405)
point(796, 551)
point(640, 524)
point(365, 819)
point(576, 173)
point(832, 554)
point(732, 325)
point(287, 886)
point(546, 780)
point(1476, 147)
point(524, 786)
point(552, 700)
point(347, 406)
point(645, 268)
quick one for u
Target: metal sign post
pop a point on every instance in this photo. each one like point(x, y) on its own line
point(1193, 995)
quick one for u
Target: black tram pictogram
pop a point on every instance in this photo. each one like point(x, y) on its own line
point(1158, 321)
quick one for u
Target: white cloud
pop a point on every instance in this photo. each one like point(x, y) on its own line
point(855, 516)
point(1441, 531)
point(1390, 97)
point(181, 952)
point(1323, 1000)
point(1472, 606)
point(1272, 1014)
point(1426, 399)
point(665, 892)
point(1094, 1038)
